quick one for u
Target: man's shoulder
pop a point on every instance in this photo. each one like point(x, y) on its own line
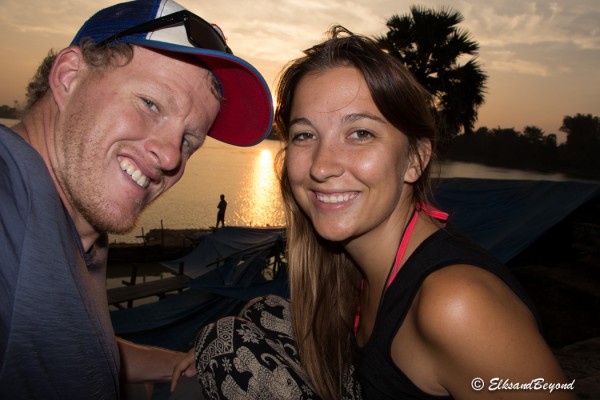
point(24, 176)
point(15, 150)
point(16, 155)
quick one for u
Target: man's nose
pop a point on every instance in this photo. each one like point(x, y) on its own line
point(164, 147)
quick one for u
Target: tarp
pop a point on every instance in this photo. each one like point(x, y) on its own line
point(174, 321)
point(506, 216)
point(223, 243)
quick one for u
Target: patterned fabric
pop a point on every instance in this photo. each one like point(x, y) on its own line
point(254, 356)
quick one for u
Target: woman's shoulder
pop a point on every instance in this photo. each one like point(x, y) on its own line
point(471, 324)
point(458, 299)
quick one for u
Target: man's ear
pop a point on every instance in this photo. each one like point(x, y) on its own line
point(66, 72)
point(418, 161)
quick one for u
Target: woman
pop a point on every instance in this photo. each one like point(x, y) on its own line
point(372, 268)
point(379, 284)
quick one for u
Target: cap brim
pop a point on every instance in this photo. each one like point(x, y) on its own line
point(246, 115)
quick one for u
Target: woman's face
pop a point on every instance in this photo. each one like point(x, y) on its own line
point(346, 163)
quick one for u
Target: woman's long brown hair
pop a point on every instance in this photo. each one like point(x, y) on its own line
point(324, 281)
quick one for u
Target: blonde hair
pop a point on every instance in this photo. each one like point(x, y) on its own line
point(324, 281)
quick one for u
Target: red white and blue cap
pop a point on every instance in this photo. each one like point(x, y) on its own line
point(246, 114)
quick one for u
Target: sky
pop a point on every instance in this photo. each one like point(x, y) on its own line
point(542, 57)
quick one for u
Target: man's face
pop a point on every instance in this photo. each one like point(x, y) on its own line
point(124, 138)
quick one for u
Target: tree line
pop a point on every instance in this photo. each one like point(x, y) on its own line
point(9, 112)
point(533, 148)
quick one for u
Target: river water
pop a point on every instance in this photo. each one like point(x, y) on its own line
point(247, 179)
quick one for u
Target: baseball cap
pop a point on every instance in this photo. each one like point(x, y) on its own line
point(246, 115)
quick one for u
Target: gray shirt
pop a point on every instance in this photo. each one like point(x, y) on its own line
point(56, 337)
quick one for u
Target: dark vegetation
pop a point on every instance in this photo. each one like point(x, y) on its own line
point(578, 156)
point(9, 112)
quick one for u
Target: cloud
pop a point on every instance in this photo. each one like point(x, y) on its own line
point(507, 61)
point(538, 22)
point(277, 31)
point(59, 17)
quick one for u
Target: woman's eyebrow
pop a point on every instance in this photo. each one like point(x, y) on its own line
point(300, 121)
point(358, 116)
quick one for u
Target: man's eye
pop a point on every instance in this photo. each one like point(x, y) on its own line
point(191, 143)
point(150, 104)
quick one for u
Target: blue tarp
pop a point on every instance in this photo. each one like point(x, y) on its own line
point(506, 216)
point(174, 321)
point(223, 243)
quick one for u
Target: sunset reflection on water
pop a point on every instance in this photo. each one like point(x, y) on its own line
point(245, 175)
point(260, 200)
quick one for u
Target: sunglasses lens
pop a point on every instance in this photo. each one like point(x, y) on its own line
point(200, 33)
point(204, 35)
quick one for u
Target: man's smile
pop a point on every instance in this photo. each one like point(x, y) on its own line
point(135, 174)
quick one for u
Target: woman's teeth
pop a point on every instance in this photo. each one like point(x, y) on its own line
point(335, 198)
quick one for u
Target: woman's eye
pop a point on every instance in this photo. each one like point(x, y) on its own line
point(361, 134)
point(300, 137)
point(150, 104)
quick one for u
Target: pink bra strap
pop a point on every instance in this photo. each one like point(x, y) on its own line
point(403, 245)
point(427, 209)
point(433, 212)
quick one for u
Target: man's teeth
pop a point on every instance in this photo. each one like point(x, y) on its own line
point(137, 175)
point(335, 198)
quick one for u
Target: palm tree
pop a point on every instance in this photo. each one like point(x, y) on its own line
point(430, 44)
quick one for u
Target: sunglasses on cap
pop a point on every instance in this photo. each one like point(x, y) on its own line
point(199, 32)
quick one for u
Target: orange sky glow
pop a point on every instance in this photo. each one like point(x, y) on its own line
point(542, 58)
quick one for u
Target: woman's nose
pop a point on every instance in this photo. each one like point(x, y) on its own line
point(327, 161)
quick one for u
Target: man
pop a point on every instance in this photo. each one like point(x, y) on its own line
point(222, 206)
point(110, 124)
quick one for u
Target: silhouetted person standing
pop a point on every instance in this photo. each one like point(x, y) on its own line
point(222, 206)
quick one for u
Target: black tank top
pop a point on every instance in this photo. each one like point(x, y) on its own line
point(379, 377)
